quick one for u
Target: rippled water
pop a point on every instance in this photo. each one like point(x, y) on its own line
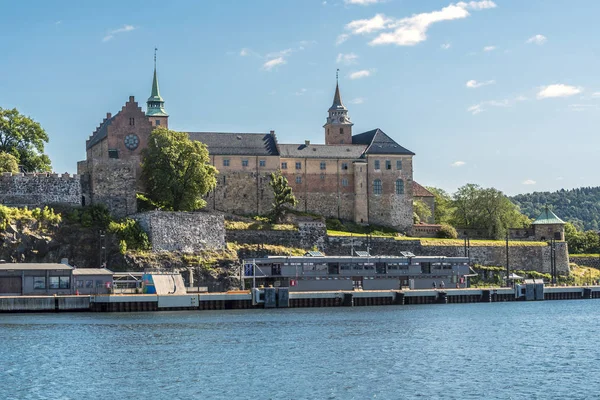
point(454, 351)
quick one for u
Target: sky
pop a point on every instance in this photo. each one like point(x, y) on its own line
point(502, 93)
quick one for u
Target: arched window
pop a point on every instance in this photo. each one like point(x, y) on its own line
point(377, 186)
point(399, 186)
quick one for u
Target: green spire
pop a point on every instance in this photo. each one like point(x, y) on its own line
point(155, 103)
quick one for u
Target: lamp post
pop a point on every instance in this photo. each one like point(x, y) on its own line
point(507, 261)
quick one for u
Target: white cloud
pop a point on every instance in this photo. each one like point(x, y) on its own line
point(341, 39)
point(270, 64)
point(474, 84)
point(300, 92)
point(457, 164)
point(445, 46)
point(484, 105)
point(363, 73)
point(362, 26)
point(558, 90)
point(346, 59)
point(583, 107)
point(244, 52)
point(596, 94)
point(358, 100)
point(362, 2)
point(412, 30)
point(528, 182)
point(489, 48)
point(476, 109)
point(111, 34)
point(537, 39)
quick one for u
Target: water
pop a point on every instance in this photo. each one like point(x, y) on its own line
point(534, 350)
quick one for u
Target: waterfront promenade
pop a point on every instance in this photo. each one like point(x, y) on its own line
point(281, 298)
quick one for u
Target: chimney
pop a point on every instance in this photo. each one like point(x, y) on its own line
point(64, 261)
point(131, 99)
point(306, 142)
point(108, 115)
point(272, 133)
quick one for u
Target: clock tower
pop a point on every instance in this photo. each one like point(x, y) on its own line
point(338, 128)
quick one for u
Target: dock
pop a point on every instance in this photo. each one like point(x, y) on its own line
point(282, 298)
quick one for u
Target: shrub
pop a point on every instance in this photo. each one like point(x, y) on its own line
point(130, 234)
point(447, 232)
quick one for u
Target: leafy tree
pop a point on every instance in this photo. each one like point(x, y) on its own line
point(8, 163)
point(176, 171)
point(283, 196)
point(421, 211)
point(581, 242)
point(443, 209)
point(24, 139)
point(488, 209)
point(447, 232)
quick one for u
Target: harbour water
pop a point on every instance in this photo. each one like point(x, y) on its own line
point(513, 350)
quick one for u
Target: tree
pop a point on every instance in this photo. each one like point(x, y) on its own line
point(24, 139)
point(8, 163)
point(176, 171)
point(443, 205)
point(283, 196)
point(487, 209)
point(421, 211)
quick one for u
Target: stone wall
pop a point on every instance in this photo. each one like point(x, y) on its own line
point(306, 237)
point(39, 189)
point(593, 262)
point(187, 232)
point(241, 192)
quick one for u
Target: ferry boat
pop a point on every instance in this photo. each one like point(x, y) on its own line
point(317, 272)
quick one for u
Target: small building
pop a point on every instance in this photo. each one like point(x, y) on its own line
point(548, 226)
point(92, 280)
point(420, 193)
point(35, 279)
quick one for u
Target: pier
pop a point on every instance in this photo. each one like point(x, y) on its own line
point(282, 298)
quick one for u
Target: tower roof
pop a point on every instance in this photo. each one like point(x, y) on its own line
point(155, 103)
point(547, 217)
point(337, 99)
point(155, 95)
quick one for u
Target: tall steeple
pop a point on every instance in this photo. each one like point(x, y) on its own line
point(155, 103)
point(338, 128)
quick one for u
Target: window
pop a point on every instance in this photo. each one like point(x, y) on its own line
point(99, 283)
point(157, 122)
point(79, 284)
point(226, 162)
point(64, 282)
point(298, 179)
point(283, 165)
point(322, 177)
point(132, 121)
point(377, 166)
point(113, 153)
point(341, 131)
point(39, 282)
point(388, 164)
point(224, 180)
point(344, 165)
point(323, 165)
point(377, 186)
point(398, 164)
point(53, 282)
point(244, 163)
point(298, 165)
point(262, 163)
point(345, 182)
point(399, 186)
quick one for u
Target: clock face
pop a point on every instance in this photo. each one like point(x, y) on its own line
point(342, 119)
point(132, 141)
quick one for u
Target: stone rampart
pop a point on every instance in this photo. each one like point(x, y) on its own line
point(588, 261)
point(187, 232)
point(39, 189)
point(307, 236)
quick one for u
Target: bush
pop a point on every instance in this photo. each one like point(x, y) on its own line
point(447, 232)
point(130, 234)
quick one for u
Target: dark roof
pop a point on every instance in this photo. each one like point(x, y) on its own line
point(100, 133)
point(321, 151)
point(247, 144)
point(420, 191)
point(379, 143)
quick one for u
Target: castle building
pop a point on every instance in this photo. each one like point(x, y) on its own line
point(365, 177)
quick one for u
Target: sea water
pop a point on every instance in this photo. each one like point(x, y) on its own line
point(523, 350)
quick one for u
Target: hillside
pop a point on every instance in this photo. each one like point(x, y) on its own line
point(580, 206)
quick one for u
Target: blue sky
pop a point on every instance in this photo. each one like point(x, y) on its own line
point(499, 93)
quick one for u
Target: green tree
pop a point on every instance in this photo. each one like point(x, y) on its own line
point(443, 210)
point(176, 171)
point(283, 196)
point(24, 139)
point(421, 211)
point(8, 163)
point(487, 209)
